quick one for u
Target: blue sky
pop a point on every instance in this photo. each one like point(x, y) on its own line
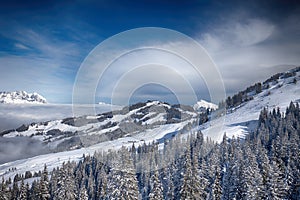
point(43, 43)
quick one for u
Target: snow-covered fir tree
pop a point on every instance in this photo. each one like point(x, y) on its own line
point(156, 188)
point(44, 185)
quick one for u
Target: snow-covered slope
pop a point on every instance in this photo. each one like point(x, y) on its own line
point(152, 121)
point(53, 160)
point(139, 123)
point(240, 120)
point(21, 97)
point(76, 132)
point(203, 105)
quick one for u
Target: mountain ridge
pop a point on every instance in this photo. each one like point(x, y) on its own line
point(76, 132)
point(240, 120)
point(20, 97)
point(202, 105)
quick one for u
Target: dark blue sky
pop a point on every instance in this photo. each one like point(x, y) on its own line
point(42, 43)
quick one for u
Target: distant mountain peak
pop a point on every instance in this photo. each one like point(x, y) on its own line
point(19, 97)
point(203, 105)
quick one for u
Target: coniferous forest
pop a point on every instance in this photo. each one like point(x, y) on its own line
point(264, 165)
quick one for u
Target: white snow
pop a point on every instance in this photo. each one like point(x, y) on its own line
point(202, 104)
point(242, 120)
point(53, 160)
point(158, 118)
point(237, 122)
point(20, 97)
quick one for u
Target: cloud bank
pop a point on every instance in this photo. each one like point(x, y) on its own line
point(250, 50)
point(13, 116)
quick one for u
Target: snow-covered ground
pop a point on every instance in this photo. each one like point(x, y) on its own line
point(237, 122)
point(242, 120)
point(56, 159)
point(202, 104)
point(132, 122)
point(153, 115)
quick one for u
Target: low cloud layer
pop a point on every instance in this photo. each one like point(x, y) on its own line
point(13, 116)
point(20, 147)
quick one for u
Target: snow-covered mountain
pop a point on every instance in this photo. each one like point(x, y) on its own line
point(150, 121)
point(202, 105)
point(20, 97)
point(77, 132)
point(69, 138)
point(277, 92)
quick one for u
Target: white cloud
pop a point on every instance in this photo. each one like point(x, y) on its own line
point(235, 34)
point(246, 51)
point(242, 49)
point(34, 75)
point(252, 32)
point(14, 115)
point(180, 56)
point(21, 46)
point(47, 66)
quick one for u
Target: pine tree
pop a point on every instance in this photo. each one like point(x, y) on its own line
point(276, 183)
point(15, 189)
point(251, 183)
point(44, 185)
point(178, 173)
point(216, 190)
point(4, 191)
point(190, 188)
point(23, 191)
point(34, 191)
point(169, 191)
point(203, 178)
point(83, 195)
point(27, 189)
point(102, 184)
point(122, 181)
point(65, 184)
point(231, 170)
point(156, 188)
point(53, 182)
point(91, 185)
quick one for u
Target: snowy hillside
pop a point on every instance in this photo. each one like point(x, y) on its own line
point(139, 123)
point(20, 97)
point(202, 105)
point(277, 92)
point(147, 122)
point(76, 132)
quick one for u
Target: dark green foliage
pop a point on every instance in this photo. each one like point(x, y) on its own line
point(243, 96)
